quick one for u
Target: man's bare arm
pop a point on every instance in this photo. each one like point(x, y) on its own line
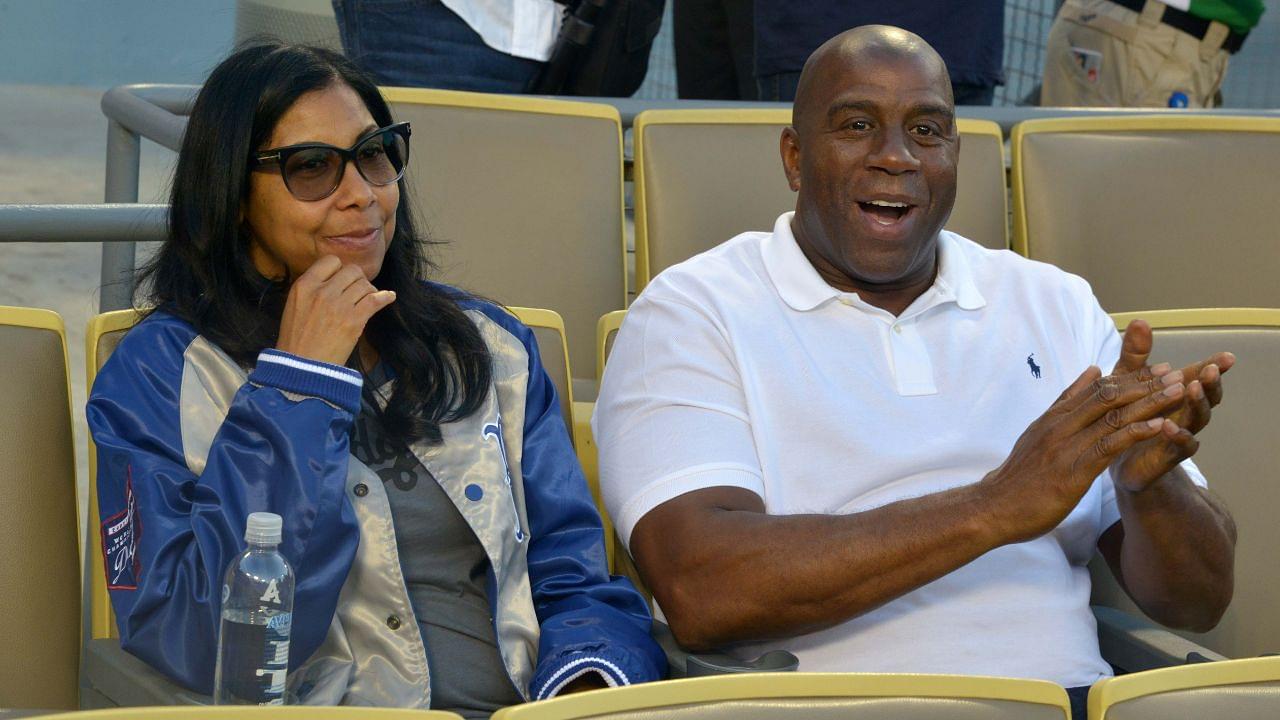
point(1174, 549)
point(725, 572)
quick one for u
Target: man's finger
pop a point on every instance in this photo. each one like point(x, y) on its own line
point(1109, 447)
point(1135, 347)
point(1077, 390)
point(1199, 409)
point(1211, 379)
point(1110, 393)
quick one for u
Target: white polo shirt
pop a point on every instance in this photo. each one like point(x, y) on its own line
point(742, 367)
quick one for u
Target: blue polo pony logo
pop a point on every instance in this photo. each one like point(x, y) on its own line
point(1031, 363)
point(494, 430)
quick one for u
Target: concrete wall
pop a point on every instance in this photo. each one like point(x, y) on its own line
point(102, 43)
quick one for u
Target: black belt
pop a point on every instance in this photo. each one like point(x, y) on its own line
point(1188, 23)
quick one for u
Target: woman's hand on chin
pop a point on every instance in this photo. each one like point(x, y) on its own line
point(327, 310)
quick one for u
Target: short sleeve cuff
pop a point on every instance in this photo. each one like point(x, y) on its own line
point(679, 483)
point(333, 383)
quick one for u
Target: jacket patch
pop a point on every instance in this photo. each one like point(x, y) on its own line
point(120, 534)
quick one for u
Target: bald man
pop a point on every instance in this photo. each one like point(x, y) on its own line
point(877, 444)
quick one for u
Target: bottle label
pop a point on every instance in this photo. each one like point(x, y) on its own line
point(256, 660)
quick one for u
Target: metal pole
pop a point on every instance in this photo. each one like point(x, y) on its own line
point(124, 155)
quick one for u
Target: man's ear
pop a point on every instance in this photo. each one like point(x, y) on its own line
point(789, 148)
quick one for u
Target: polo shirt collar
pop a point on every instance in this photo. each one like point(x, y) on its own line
point(801, 287)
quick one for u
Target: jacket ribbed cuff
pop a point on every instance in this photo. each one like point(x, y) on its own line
point(333, 383)
point(574, 666)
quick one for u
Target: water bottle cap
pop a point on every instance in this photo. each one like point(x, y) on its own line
point(263, 528)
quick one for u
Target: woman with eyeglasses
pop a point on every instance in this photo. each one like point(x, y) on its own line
point(447, 549)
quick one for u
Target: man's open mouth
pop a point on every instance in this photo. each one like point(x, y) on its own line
point(885, 212)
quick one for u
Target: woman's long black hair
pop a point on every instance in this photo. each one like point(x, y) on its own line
point(204, 275)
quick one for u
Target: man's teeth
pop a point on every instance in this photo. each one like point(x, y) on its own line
point(886, 203)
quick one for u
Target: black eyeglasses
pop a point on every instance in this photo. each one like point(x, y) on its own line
point(312, 171)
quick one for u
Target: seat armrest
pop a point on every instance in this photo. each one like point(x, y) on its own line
point(684, 664)
point(1133, 644)
point(129, 682)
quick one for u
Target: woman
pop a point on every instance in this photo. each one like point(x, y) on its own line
point(447, 549)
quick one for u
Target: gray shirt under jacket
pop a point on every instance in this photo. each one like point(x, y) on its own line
point(445, 570)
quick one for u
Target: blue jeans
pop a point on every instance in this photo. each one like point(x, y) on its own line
point(422, 43)
point(781, 87)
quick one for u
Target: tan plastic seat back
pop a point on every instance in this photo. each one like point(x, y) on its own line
point(103, 335)
point(1247, 689)
point(704, 176)
point(548, 331)
point(39, 567)
point(1167, 212)
point(818, 696)
point(1239, 454)
point(526, 195)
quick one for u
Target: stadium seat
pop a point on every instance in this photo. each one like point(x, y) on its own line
point(40, 607)
point(1239, 454)
point(704, 176)
point(1237, 689)
point(254, 712)
point(553, 351)
point(110, 676)
point(525, 195)
point(1154, 211)
point(813, 696)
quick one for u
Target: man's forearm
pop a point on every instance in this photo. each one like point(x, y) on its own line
point(1177, 553)
point(756, 576)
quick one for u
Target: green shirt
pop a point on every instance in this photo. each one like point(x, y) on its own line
point(1239, 15)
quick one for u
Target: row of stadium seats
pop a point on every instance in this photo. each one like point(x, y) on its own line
point(48, 637)
point(1241, 689)
point(528, 196)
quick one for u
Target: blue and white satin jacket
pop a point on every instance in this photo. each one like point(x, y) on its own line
point(189, 444)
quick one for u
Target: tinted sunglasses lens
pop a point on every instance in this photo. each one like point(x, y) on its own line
point(313, 173)
point(381, 158)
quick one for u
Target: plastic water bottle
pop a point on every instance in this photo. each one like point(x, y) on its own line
point(257, 614)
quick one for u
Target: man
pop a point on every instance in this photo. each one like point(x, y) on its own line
point(885, 448)
point(1143, 53)
point(969, 34)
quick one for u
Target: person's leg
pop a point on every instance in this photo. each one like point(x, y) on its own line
point(704, 67)
point(421, 43)
point(973, 94)
point(780, 87)
point(739, 15)
point(1079, 697)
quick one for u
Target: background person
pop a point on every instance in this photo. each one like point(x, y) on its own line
point(968, 34)
point(886, 448)
point(447, 549)
point(493, 46)
point(1143, 53)
point(714, 45)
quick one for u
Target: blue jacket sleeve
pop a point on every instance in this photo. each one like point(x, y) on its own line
point(168, 533)
point(590, 621)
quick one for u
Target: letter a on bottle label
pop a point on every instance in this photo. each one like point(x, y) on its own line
point(272, 595)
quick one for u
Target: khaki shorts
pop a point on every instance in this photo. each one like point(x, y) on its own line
point(1102, 54)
